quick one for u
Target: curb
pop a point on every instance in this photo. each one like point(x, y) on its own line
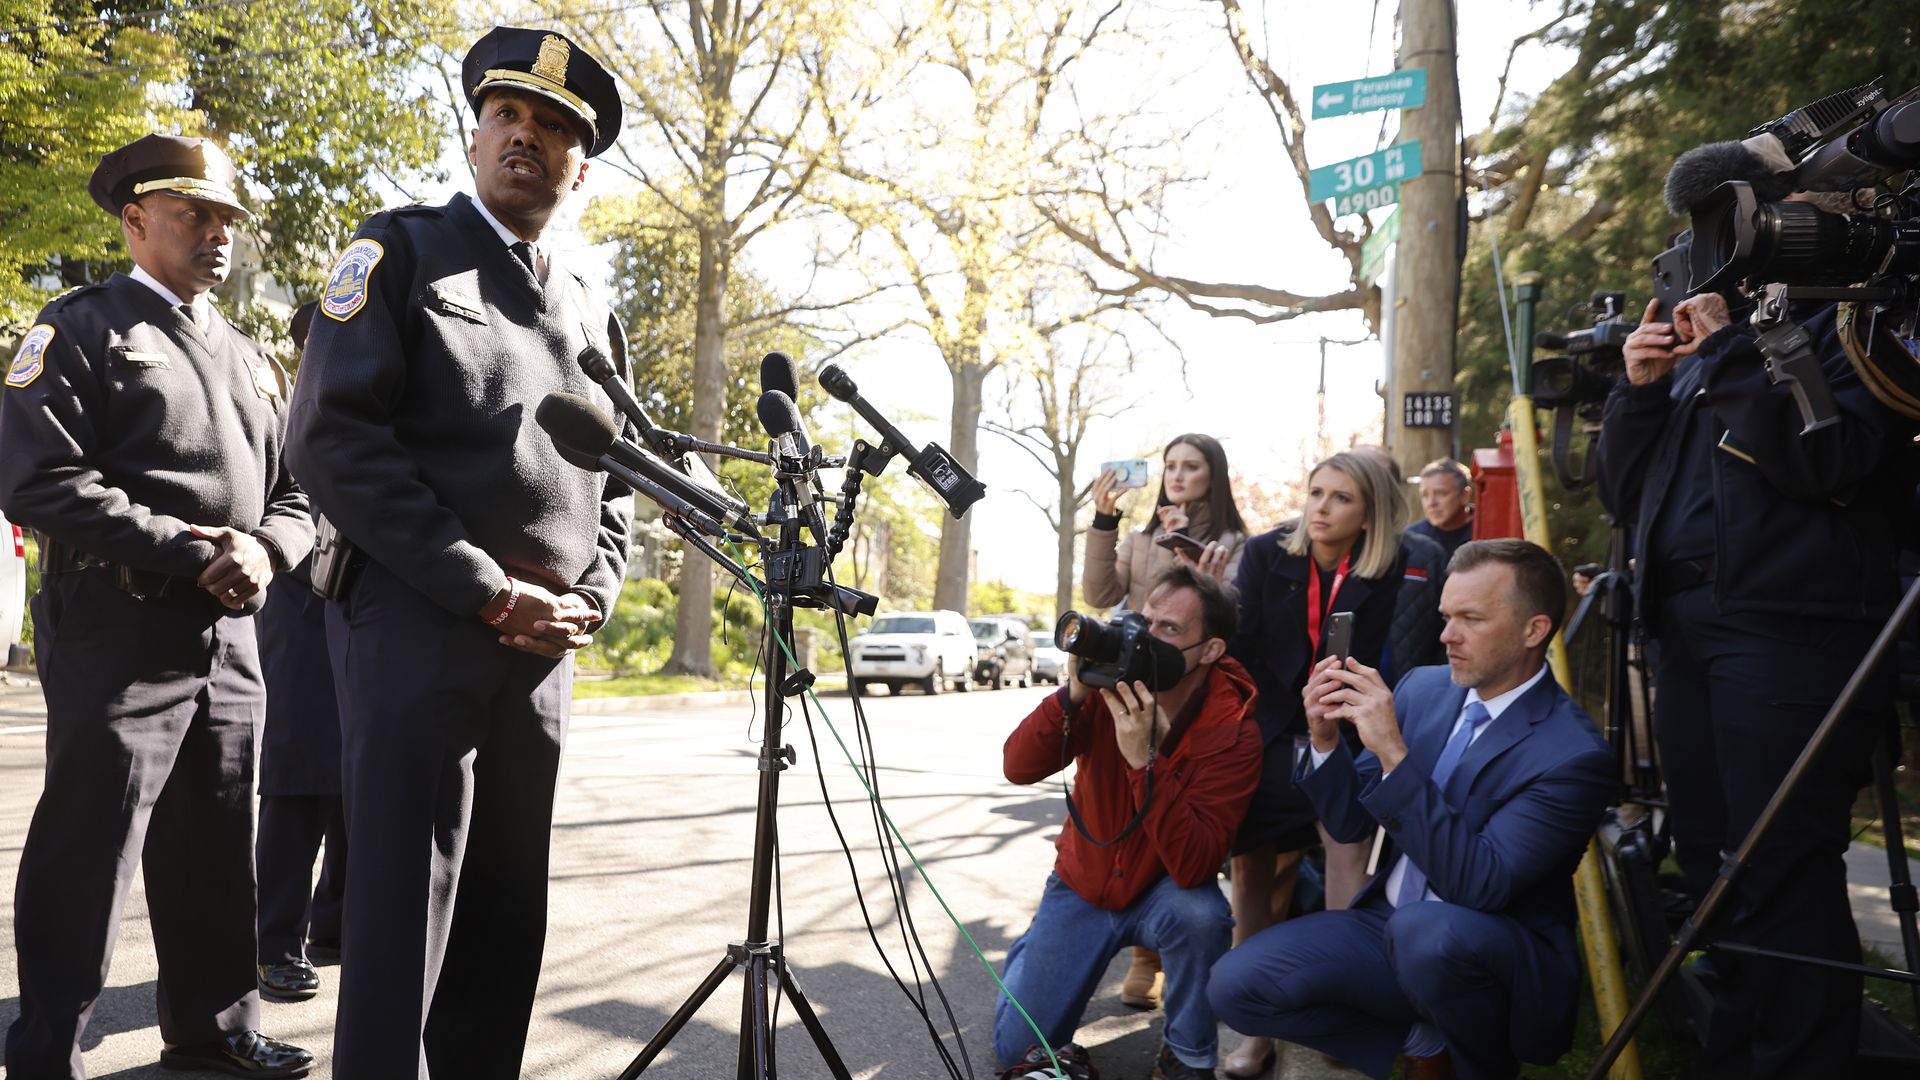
point(640, 703)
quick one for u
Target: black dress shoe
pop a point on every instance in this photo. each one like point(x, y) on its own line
point(291, 980)
point(242, 1053)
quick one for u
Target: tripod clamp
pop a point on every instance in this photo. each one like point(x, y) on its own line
point(865, 460)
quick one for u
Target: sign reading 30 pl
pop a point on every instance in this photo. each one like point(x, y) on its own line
point(1365, 183)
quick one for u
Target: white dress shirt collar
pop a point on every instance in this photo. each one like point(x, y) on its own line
point(1498, 704)
point(202, 308)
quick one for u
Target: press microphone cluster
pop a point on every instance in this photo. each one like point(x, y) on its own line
point(931, 464)
point(587, 438)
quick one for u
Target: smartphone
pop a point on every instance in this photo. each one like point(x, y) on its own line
point(1173, 540)
point(1340, 634)
point(1129, 474)
point(1671, 274)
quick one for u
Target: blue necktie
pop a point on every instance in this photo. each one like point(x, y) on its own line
point(1413, 884)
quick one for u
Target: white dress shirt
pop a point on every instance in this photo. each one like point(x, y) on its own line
point(508, 238)
point(202, 308)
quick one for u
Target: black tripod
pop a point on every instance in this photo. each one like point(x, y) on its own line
point(792, 578)
point(1904, 897)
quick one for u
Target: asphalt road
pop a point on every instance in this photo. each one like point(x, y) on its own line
point(650, 879)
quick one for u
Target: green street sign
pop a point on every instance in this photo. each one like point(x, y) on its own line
point(1365, 183)
point(1398, 90)
point(1373, 251)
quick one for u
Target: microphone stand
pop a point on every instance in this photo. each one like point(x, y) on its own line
point(791, 581)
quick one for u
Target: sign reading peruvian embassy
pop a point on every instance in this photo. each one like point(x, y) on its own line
point(1398, 90)
point(1365, 183)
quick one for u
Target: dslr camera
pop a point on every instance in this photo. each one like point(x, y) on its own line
point(1119, 651)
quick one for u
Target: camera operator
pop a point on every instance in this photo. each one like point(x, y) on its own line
point(1766, 564)
point(1163, 780)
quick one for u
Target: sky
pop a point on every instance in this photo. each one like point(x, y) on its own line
point(1251, 386)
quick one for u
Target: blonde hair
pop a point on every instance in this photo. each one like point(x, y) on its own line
point(1386, 507)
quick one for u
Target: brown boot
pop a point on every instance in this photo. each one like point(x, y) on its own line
point(1144, 980)
point(1437, 1067)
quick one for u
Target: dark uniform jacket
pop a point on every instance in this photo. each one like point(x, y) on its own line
point(1804, 525)
point(413, 420)
point(1415, 638)
point(123, 423)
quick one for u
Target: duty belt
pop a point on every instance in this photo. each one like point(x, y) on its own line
point(58, 558)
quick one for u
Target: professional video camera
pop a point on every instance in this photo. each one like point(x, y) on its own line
point(1575, 384)
point(1119, 651)
point(1866, 256)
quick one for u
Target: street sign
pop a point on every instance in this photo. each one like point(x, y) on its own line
point(1426, 409)
point(1373, 250)
point(1365, 183)
point(1398, 90)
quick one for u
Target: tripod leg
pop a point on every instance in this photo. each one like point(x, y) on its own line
point(681, 1015)
point(812, 1023)
point(1900, 881)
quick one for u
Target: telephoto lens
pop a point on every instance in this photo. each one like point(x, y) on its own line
point(1119, 651)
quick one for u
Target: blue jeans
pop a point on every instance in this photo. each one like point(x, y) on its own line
point(1055, 966)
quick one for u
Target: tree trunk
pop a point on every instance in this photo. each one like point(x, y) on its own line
point(956, 534)
point(693, 623)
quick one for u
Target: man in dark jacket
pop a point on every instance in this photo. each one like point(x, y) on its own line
point(489, 559)
point(141, 436)
point(1163, 780)
point(1446, 505)
point(1766, 563)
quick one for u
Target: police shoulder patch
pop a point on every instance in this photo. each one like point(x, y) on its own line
point(31, 360)
point(347, 288)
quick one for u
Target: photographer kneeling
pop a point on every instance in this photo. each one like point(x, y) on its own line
point(1163, 780)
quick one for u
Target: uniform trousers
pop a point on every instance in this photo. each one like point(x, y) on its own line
point(451, 753)
point(1739, 696)
point(294, 909)
point(152, 710)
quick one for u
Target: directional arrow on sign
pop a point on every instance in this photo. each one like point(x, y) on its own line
point(1328, 99)
point(1403, 89)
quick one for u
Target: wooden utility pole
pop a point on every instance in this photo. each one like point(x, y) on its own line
point(1427, 266)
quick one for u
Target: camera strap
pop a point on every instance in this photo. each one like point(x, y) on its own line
point(1176, 727)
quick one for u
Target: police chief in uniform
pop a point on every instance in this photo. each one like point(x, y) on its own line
point(141, 436)
point(299, 781)
point(488, 560)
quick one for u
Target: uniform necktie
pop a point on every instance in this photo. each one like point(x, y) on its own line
point(1413, 884)
point(523, 251)
point(192, 315)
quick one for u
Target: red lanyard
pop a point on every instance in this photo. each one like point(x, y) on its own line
point(1314, 613)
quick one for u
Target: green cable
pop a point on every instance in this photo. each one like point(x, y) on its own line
point(785, 648)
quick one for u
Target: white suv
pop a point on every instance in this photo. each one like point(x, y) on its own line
point(931, 648)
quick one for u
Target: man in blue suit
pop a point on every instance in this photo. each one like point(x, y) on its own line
point(1460, 951)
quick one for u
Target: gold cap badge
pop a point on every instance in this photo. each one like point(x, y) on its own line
point(552, 63)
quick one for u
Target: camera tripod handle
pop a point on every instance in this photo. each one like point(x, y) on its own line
point(1791, 360)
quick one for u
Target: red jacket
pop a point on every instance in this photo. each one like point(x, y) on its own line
point(1200, 791)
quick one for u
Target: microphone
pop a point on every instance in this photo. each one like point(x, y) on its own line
point(932, 464)
point(586, 437)
point(780, 416)
point(1698, 172)
point(600, 369)
point(777, 374)
point(1544, 340)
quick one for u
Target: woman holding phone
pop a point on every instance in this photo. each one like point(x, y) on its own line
point(1194, 520)
point(1341, 556)
point(1194, 516)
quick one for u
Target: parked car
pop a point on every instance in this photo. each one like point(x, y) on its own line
point(1049, 663)
point(930, 649)
point(1002, 652)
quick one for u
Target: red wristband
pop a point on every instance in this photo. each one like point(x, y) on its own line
point(513, 597)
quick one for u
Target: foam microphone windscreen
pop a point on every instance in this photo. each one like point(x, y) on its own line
point(580, 432)
point(778, 414)
point(777, 373)
point(1696, 173)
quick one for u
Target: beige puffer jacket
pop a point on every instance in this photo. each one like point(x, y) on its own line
point(1117, 569)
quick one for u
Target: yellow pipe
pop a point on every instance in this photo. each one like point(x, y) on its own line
point(1589, 887)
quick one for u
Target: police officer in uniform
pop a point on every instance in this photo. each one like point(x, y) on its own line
point(299, 782)
point(488, 560)
point(141, 436)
